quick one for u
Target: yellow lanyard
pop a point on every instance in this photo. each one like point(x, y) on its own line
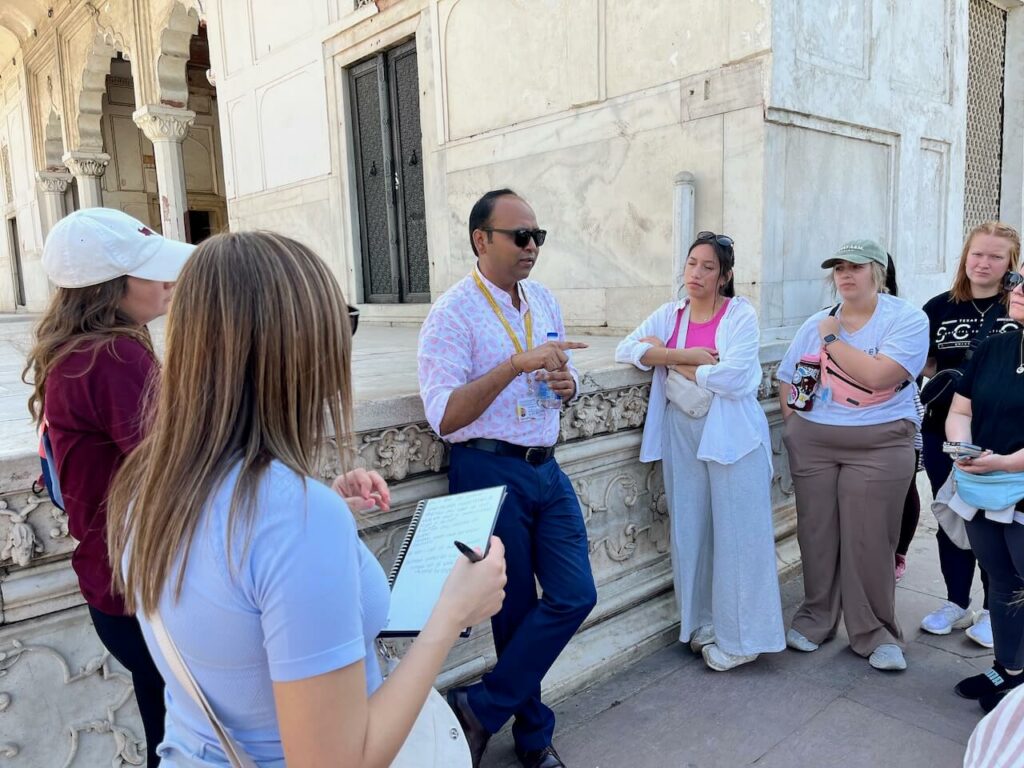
point(504, 320)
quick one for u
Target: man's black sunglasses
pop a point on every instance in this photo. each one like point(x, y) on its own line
point(521, 237)
point(723, 240)
point(1011, 280)
point(353, 318)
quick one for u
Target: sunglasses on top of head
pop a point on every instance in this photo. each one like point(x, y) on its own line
point(723, 240)
point(353, 318)
point(1011, 280)
point(521, 237)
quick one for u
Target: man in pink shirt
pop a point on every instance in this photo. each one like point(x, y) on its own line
point(483, 355)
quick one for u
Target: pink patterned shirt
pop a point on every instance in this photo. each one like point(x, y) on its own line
point(462, 339)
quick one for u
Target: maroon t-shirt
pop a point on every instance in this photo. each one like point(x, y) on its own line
point(94, 400)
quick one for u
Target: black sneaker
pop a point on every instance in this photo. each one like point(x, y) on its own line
point(996, 680)
point(992, 700)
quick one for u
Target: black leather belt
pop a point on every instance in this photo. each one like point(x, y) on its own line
point(535, 455)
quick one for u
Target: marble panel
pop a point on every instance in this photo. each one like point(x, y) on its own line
point(647, 44)
point(836, 185)
point(507, 62)
point(246, 174)
point(932, 205)
point(276, 24)
point(198, 154)
point(921, 45)
point(292, 112)
point(126, 156)
point(835, 37)
point(235, 38)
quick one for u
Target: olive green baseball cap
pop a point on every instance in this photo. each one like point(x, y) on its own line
point(858, 252)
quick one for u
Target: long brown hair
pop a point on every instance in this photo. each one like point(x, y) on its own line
point(961, 290)
point(256, 368)
point(75, 319)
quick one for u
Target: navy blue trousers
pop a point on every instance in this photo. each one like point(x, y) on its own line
point(545, 540)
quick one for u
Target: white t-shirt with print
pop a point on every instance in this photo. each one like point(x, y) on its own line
point(898, 330)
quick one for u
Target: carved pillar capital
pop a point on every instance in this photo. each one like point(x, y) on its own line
point(53, 181)
point(92, 164)
point(162, 123)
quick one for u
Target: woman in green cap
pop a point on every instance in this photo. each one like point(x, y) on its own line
point(850, 436)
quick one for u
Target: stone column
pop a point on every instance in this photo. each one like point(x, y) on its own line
point(167, 127)
point(683, 225)
point(88, 168)
point(52, 186)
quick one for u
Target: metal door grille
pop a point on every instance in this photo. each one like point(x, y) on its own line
point(985, 67)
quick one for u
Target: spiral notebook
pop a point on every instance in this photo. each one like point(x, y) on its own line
point(428, 553)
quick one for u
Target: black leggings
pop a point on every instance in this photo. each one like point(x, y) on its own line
point(911, 516)
point(122, 636)
point(957, 564)
point(1000, 549)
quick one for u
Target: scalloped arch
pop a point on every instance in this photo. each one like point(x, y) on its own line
point(175, 40)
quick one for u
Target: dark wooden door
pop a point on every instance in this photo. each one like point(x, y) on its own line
point(389, 177)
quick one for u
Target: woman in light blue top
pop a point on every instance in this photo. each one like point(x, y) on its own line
point(255, 567)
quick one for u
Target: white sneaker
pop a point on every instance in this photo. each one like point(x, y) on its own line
point(981, 631)
point(946, 618)
point(720, 661)
point(704, 635)
point(887, 656)
point(800, 643)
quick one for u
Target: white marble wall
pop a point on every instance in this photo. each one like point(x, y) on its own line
point(589, 109)
point(15, 134)
point(268, 64)
point(865, 138)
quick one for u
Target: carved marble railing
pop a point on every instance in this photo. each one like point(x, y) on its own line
point(65, 702)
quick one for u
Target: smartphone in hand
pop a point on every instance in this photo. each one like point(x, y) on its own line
point(960, 450)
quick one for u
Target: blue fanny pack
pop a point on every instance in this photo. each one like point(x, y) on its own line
point(994, 491)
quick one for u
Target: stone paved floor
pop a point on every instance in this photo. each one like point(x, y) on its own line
point(786, 710)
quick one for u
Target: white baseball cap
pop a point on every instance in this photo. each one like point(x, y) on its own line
point(94, 245)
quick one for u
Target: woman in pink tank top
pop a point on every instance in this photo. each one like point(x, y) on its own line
point(717, 466)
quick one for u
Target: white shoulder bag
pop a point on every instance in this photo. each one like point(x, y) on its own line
point(689, 397)
point(436, 739)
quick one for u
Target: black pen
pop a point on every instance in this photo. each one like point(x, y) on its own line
point(468, 552)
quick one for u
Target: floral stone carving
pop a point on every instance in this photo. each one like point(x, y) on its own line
point(51, 735)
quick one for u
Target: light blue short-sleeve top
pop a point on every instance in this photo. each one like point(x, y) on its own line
point(299, 597)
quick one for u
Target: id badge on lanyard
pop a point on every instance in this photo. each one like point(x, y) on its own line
point(527, 408)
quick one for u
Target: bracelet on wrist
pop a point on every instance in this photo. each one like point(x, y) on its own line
point(513, 365)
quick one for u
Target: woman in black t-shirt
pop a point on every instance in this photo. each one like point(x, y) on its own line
point(988, 410)
point(975, 303)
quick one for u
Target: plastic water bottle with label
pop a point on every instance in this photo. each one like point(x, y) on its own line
point(546, 396)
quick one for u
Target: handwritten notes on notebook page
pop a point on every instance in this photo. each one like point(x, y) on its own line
point(467, 517)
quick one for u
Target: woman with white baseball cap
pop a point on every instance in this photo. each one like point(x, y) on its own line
point(91, 367)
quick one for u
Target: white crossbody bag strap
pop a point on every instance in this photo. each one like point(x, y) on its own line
point(235, 755)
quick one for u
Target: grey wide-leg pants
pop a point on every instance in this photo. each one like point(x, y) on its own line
point(723, 543)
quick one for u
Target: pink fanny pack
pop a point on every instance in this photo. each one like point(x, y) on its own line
point(846, 390)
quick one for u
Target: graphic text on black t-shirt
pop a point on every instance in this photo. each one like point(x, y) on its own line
point(958, 332)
